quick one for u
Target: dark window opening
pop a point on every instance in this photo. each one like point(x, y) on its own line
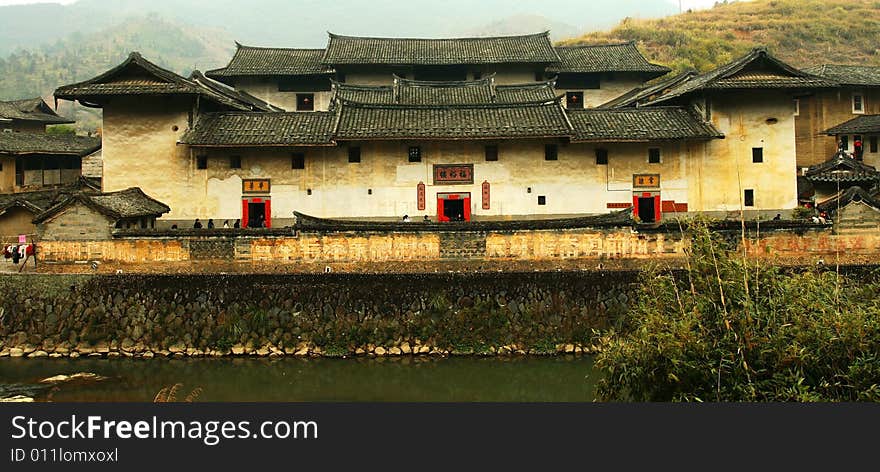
point(858, 104)
point(440, 73)
point(305, 83)
point(574, 100)
point(1, 167)
point(647, 210)
point(708, 110)
point(858, 150)
point(749, 197)
point(579, 81)
point(298, 161)
point(415, 154)
point(654, 156)
point(757, 155)
point(201, 162)
point(235, 162)
point(542, 200)
point(539, 76)
point(873, 141)
point(551, 152)
point(354, 154)
point(601, 157)
point(305, 102)
point(340, 77)
point(492, 153)
point(844, 142)
point(478, 75)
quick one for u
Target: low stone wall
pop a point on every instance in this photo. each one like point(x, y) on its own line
point(319, 314)
point(325, 246)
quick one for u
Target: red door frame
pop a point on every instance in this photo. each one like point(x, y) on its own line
point(657, 213)
point(267, 210)
point(443, 196)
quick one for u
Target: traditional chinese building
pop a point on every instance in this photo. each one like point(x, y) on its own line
point(30, 158)
point(467, 128)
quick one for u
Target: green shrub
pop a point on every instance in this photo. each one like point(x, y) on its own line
point(729, 329)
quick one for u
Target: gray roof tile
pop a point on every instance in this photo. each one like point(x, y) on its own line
point(30, 109)
point(639, 124)
point(606, 58)
point(865, 124)
point(257, 61)
point(866, 76)
point(417, 92)
point(533, 120)
point(21, 143)
point(129, 203)
point(261, 129)
point(351, 50)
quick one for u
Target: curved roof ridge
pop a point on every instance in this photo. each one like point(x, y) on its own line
point(534, 103)
point(464, 38)
point(572, 46)
point(244, 46)
point(445, 83)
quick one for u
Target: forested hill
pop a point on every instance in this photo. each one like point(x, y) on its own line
point(79, 56)
point(801, 32)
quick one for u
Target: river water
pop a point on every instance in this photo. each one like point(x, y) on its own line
point(406, 379)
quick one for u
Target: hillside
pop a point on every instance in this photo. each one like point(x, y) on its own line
point(802, 32)
point(28, 73)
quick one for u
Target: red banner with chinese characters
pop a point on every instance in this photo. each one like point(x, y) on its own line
point(420, 195)
point(451, 174)
point(485, 195)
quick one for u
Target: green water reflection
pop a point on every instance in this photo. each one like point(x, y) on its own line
point(491, 379)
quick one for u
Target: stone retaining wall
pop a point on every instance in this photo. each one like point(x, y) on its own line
point(287, 247)
point(320, 314)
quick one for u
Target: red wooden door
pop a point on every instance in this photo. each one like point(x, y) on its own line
point(244, 212)
point(467, 208)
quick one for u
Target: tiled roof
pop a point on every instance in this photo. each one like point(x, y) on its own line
point(645, 93)
point(639, 124)
point(39, 200)
point(349, 50)
point(865, 124)
point(606, 58)
point(845, 197)
point(240, 95)
point(868, 76)
point(138, 76)
point(417, 92)
point(256, 61)
point(30, 109)
point(532, 120)
point(128, 203)
point(521, 93)
point(261, 129)
point(842, 168)
point(20, 143)
point(756, 70)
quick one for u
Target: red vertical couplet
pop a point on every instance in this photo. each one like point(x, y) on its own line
point(268, 212)
point(441, 215)
point(420, 196)
point(244, 213)
point(467, 208)
point(485, 195)
point(657, 208)
point(636, 206)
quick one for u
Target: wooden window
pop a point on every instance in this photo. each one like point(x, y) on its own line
point(235, 162)
point(542, 200)
point(749, 197)
point(492, 152)
point(1, 167)
point(354, 154)
point(844, 142)
point(654, 156)
point(873, 143)
point(858, 103)
point(574, 99)
point(201, 162)
point(305, 102)
point(298, 161)
point(797, 107)
point(415, 154)
point(757, 154)
point(551, 152)
point(601, 157)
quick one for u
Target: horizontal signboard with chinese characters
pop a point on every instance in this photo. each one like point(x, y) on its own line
point(451, 174)
point(255, 186)
point(646, 180)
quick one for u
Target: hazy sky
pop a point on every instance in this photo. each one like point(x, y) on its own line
point(684, 3)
